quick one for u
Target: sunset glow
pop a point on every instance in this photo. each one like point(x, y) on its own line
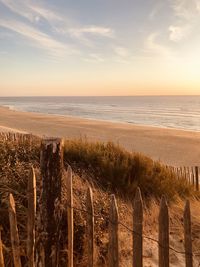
point(99, 47)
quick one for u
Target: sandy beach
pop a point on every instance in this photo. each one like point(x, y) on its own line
point(174, 147)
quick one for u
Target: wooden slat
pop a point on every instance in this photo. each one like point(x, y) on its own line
point(90, 228)
point(14, 232)
point(163, 234)
point(197, 177)
point(189, 175)
point(31, 218)
point(188, 235)
point(137, 229)
point(193, 176)
point(70, 221)
point(113, 254)
point(1, 252)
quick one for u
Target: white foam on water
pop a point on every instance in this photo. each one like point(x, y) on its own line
point(182, 112)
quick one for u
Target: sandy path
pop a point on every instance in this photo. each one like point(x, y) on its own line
point(175, 147)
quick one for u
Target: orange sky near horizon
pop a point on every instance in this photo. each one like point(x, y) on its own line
point(91, 48)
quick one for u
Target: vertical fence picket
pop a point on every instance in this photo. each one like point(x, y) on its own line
point(189, 175)
point(137, 229)
point(193, 177)
point(182, 172)
point(90, 228)
point(1, 252)
point(113, 253)
point(31, 218)
point(52, 169)
point(163, 234)
point(70, 221)
point(197, 177)
point(14, 232)
point(188, 235)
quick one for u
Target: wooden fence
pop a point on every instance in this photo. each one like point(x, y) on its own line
point(190, 174)
point(52, 172)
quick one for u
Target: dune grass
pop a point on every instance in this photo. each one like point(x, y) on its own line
point(109, 165)
point(115, 168)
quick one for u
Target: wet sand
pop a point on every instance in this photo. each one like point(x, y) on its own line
point(171, 146)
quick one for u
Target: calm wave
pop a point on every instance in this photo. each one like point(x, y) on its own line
point(182, 112)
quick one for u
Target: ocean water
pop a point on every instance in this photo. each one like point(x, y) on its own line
point(181, 112)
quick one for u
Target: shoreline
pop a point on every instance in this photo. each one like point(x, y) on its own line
point(101, 120)
point(171, 146)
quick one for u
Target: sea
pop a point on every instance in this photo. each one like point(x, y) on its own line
point(179, 112)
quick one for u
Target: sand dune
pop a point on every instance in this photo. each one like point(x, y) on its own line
point(8, 129)
point(175, 147)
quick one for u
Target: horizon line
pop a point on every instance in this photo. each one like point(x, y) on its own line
point(27, 96)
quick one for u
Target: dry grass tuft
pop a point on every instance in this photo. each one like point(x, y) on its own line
point(104, 166)
point(117, 169)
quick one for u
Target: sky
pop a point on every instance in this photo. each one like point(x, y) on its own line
point(99, 47)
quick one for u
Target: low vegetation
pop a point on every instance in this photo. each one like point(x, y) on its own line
point(117, 169)
point(105, 165)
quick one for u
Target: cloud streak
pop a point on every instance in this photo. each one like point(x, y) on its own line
point(31, 12)
point(59, 31)
point(87, 34)
point(177, 33)
point(154, 48)
point(92, 30)
point(187, 15)
point(38, 38)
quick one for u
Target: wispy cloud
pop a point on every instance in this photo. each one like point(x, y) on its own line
point(94, 58)
point(93, 30)
point(59, 28)
point(154, 48)
point(186, 9)
point(87, 35)
point(121, 51)
point(177, 33)
point(155, 10)
point(38, 38)
point(20, 8)
point(187, 17)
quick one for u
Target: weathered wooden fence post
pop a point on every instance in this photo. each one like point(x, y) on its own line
point(31, 218)
point(1, 252)
point(14, 233)
point(188, 235)
point(70, 218)
point(193, 177)
point(163, 234)
point(197, 177)
point(90, 228)
point(51, 164)
point(137, 230)
point(113, 253)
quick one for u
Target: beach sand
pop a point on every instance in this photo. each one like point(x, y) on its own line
point(170, 146)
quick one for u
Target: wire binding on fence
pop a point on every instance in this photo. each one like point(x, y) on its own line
point(132, 231)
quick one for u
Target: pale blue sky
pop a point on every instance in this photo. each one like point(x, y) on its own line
point(99, 47)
